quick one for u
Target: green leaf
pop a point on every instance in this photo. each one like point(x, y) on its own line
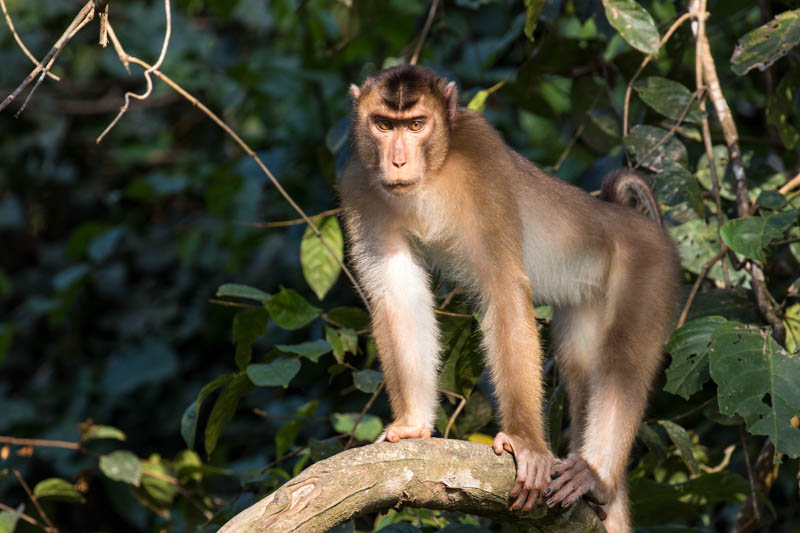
point(349, 317)
point(703, 172)
point(189, 419)
point(697, 243)
point(757, 379)
point(224, 409)
point(248, 326)
point(634, 24)
point(478, 102)
point(669, 98)
point(234, 290)
point(342, 341)
point(532, 10)
point(95, 432)
point(766, 44)
point(367, 380)
point(290, 311)
point(781, 110)
point(277, 373)
point(320, 268)
point(155, 486)
point(751, 236)
point(641, 140)
point(311, 350)
point(688, 347)
point(368, 429)
point(681, 439)
point(771, 200)
point(463, 362)
point(8, 521)
point(122, 465)
point(674, 185)
point(59, 490)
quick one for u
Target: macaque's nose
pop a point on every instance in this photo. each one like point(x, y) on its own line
point(399, 153)
point(399, 163)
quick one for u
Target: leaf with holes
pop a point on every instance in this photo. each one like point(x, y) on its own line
point(642, 141)
point(320, 265)
point(751, 236)
point(756, 379)
point(688, 347)
point(669, 98)
point(634, 24)
point(766, 44)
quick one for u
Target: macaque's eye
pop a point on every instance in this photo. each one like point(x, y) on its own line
point(416, 125)
point(383, 125)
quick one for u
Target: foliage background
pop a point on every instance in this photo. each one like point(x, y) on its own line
point(110, 253)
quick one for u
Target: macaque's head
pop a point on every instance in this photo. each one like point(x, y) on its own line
point(401, 125)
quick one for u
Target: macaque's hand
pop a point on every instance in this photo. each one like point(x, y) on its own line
point(573, 478)
point(533, 470)
point(395, 432)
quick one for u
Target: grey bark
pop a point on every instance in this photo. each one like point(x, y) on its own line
point(432, 473)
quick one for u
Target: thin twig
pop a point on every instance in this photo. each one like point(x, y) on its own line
point(577, 134)
point(448, 313)
point(125, 58)
point(40, 443)
point(19, 40)
point(462, 401)
point(791, 184)
point(750, 476)
point(693, 410)
point(726, 460)
point(33, 499)
point(285, 223)
point(86, 13)
point(147, 72)
point(351, 435)
point(424, 34)
point(228, 303)
point(700, 277)
point(680, 20)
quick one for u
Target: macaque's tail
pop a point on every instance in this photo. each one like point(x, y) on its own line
point(624, 186)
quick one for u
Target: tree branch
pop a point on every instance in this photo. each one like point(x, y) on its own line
point(435, 473)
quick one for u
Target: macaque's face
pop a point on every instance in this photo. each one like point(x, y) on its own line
point(401, 138)
point(400, 127)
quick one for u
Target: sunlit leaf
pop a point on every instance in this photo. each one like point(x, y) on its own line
point(342, 341)
point(644, 142)
point(320, 268)
point(634, 23)
point(122, 465)
point(369, 428)
point(59, 490)
point(95, 432)
point(766, 44)
point(532, 10)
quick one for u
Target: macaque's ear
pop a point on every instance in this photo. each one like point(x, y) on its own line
point(355, 92)
point(451, 98)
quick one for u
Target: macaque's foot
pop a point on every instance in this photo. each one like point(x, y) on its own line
point(533, 469)
point(573, 478)
point(395, 432)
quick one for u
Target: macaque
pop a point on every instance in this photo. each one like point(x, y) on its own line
point(432, 183)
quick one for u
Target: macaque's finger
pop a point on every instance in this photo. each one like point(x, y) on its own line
point(395, 433)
